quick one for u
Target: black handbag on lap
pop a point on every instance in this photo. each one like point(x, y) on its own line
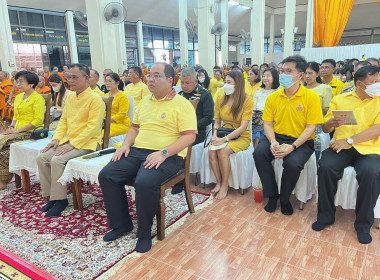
point(224, 131)
point(39, 133)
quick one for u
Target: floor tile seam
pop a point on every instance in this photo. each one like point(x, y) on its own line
point(362, 267)
point(317, 273)
point(176, 267)
point(340, 245)
point(270, 226)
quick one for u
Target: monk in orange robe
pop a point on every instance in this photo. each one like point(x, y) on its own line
point(6, 84)
point(41, 88)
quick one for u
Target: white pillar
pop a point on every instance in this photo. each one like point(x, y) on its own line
point(206, 41)
point(271, 38)
point(310, 24)
point(183, 35)
point(257, 31)
point(102, 37)
point(120, 41)
point(224, 19)
point(71, 36)
point(140, 42)
point(290, 14)
point(7, 55)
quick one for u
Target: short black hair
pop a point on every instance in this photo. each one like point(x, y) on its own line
point(254, 65)
point(137, 70)
point(82, 67)
point(256, 72)
point(168, 71)
point(95, 72)
point(364, 72)
point(361, 63)
point(276, 79)
point(216, 67)
point(373, 59)
point(30, 77)
point(329, 60)
point(264, 64)
point(298, 60)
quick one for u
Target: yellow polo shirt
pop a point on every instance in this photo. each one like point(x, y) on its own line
point(214, 85)
point(29, 111)
point(325, 94)
point(336, 85)
point(138, 91)
point(99, 92)
point(250, 90)
point(290, 116)
point(81, 120)
point(367, 114)
point(162, 122)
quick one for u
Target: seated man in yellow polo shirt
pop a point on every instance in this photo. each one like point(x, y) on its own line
point(93, 81)
point(136, 88)
point(327, 68)
point(353, 145)
point(290, 117)
point(79, 132)
point(163, 127)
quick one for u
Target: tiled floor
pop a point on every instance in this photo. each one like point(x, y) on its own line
point(236, 239)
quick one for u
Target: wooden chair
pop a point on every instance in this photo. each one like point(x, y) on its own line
point(182, 174)
point(25, 177)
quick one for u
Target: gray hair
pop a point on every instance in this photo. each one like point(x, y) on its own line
point(189, 72)
point(5, 73)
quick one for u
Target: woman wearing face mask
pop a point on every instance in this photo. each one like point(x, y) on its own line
point(60, 93)
point(270, 84)
point(203, 78)
point(253, 82)
point(234, 108)
point(120, 121)
point(314, 82)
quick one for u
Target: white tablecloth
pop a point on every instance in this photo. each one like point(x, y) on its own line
point(23, 155)
point(87, 170)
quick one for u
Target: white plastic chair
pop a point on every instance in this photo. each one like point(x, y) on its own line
point(131, 113)
point(241, 167)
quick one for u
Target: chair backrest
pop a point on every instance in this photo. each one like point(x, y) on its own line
point(107, 122)
point(131, 109)
point(48, 102)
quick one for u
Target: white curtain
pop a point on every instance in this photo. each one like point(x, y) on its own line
point(341, 53)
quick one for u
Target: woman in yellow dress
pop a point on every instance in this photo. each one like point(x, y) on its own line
point(253, 82)
point(120, 121)
point(29, 110)
point(234, 107)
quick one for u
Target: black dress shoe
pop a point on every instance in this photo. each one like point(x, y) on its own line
point(116, 233)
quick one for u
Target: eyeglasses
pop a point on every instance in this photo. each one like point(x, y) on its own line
point(155, 76)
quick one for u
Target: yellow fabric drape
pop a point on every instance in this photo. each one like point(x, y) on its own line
point(330, 19)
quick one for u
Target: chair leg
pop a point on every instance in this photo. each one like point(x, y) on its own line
point(242, 191)
point(189, 198)
point(18, 181)
point(196, 179)
point(78, 193)
point(75, 203)
point(378, 223)
point(161, 219)
point(25, 180)
point(301, 205)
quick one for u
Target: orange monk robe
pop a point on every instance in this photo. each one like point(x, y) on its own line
point(43, 90)
point(3, 104)
point(6, 87)
point(47, 78)
point(145, 72)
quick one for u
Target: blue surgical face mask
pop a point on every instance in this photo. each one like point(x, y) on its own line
point(286, 80)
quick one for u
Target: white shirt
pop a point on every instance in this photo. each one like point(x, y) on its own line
point(260, 97)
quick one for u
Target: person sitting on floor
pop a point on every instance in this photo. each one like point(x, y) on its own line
point(79, 132)
point(234, 108)
point(29, 109)
point(353, 145)
point(291, 116)
point(163, 127)
point(120, 122)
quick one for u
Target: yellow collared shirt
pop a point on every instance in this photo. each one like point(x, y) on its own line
point(336, 85)
point(291, 115)
point(251, 90)
point(29, 111)
point(214, 85)
point(81, 121)
point(138, 91)
point(367, 114)
point(99, 92)
point(162, 122)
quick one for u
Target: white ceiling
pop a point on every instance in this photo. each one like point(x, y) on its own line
point(365, 13)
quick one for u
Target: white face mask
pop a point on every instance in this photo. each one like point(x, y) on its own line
point(201, 80)
point(373, 90)
point(56, 89)
point(229, 89)
point(337, 77)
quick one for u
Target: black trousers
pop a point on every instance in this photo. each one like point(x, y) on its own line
point(330, 171)
point(115, 175)
point(292, 164)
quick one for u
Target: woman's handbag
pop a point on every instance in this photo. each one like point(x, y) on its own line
point(39, 133)
point(224, 131)
point(258, 118)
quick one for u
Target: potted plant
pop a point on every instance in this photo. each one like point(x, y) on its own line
point(258, 192)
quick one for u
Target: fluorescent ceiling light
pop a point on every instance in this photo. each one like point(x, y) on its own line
point(233, 3)
point(245, 7)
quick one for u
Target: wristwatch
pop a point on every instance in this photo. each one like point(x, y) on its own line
point(165, 152)
point(350, 141)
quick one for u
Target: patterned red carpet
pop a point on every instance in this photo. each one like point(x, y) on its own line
point(70, 246)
